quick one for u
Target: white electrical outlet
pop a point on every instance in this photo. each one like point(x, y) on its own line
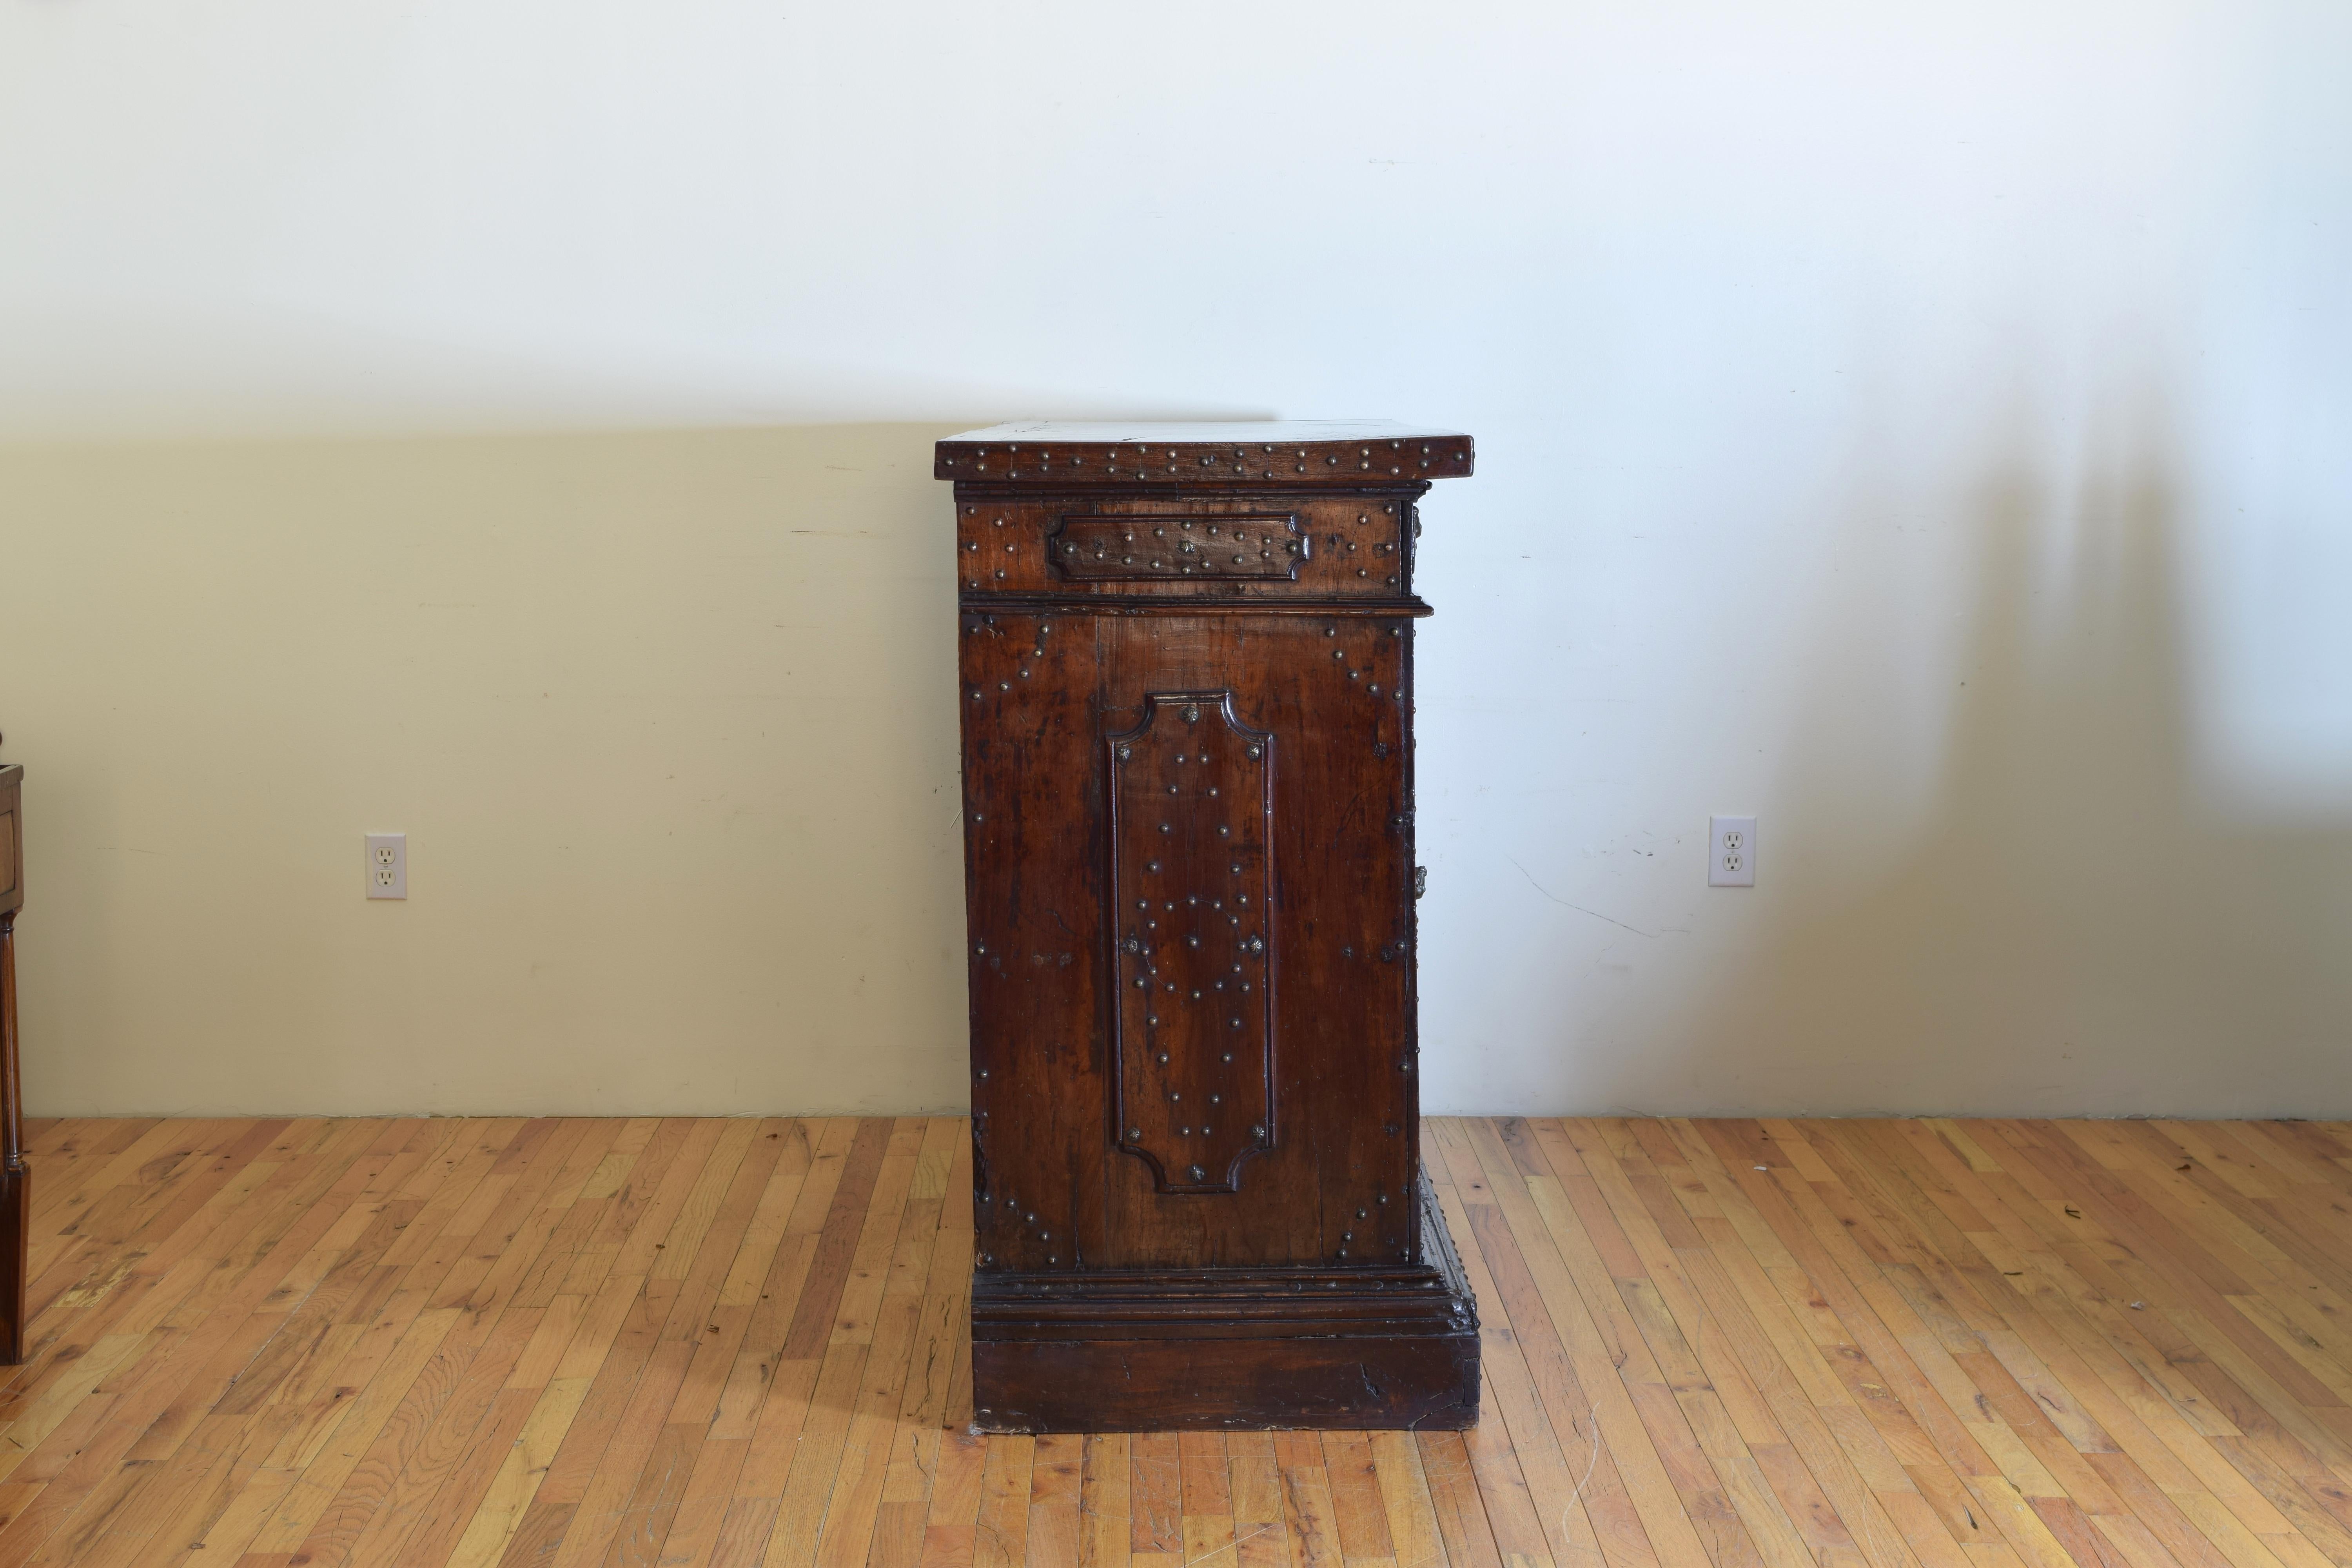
point(387, 864)
point(1731, 852)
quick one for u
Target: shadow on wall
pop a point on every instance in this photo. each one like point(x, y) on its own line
point(2072, 928)
point(670, 719)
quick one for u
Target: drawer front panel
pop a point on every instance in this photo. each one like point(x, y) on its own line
point(1290, 547)
point(1144, 547)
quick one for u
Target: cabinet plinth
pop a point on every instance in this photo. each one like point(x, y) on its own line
point(1186, 682)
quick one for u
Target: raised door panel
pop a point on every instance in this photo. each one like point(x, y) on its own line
point(1191, 808)
point(1330, 698)
point(1049, 804)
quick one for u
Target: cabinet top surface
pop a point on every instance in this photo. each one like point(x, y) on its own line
point(1315, 451)
point(1214, 433)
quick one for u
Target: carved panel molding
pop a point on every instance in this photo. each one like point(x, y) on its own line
point(1191, 802)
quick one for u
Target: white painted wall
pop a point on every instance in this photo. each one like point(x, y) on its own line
point(1923, 425)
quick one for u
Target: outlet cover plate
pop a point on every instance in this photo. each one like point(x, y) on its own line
point(387, 864)
point(1731, 852)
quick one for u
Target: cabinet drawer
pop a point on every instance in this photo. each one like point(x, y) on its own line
point(1277, 547)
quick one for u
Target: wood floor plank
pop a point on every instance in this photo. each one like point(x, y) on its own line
point(1930, 1343)
point(1546, 1436)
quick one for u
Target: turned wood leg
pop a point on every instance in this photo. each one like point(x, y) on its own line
point(15, 1181)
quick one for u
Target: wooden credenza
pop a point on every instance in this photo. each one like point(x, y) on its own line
point(1187, 693)
point(15, 1181)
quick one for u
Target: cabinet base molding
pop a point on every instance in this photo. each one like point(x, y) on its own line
point(1230, 1349)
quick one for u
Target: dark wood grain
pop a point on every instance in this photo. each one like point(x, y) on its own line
point(16, 1177)
point(1287, 452)
point(1188, 789)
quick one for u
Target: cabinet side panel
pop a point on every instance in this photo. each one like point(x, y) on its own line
point(1335, 1186)
point(1034, 857)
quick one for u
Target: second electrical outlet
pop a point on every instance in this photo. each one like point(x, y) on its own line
point(1731, 852)
point(387, 864)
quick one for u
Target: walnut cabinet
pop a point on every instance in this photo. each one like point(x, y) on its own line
point(1186, 686)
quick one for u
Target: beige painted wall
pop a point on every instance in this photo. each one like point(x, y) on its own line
point(663, 716)
point(1921, 427)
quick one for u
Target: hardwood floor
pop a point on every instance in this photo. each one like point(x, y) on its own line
point(1856, 1344)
